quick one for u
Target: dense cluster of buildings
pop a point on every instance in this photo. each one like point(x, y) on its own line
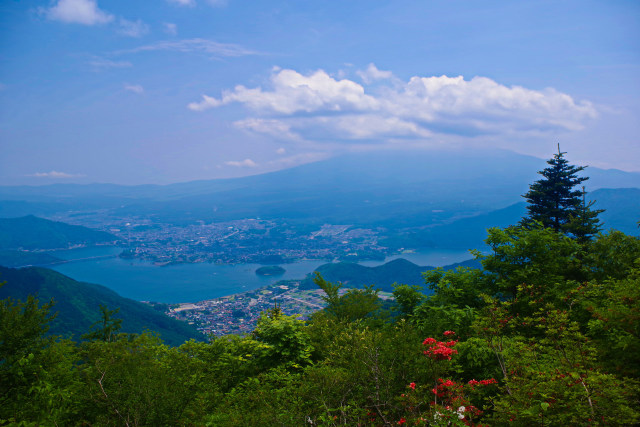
point(239, 313)
point(245, 241)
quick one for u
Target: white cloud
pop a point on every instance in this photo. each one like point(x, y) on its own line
point(170, 28)
point(134, 88)
point(371, 74)
point(101, 64)
point(365, 126)
point(208, 47)
point(132, 28)
point(281, 151)
point(317, 106)
point(189, 3)
point(55, 174)
point(246, 163)
point(275, 128)
point(84, 12)
point(293, 93)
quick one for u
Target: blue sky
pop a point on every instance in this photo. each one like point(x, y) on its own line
point(174, 90)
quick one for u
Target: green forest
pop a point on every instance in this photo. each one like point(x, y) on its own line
point(547, 332)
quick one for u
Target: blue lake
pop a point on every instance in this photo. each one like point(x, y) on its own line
point(144, 281)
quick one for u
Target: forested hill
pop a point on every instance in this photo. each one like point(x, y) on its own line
point(382, 277)
point(26, 259)
point(78, 305)
point(30, 232)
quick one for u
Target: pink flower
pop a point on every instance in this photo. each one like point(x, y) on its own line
point(412, 386)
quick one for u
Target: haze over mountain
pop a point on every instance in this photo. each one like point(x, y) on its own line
point(400, 186)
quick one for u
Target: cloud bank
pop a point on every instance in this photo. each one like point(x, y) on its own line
point(246, 163)
point(55, 174)
point(317, 105)
point(84, 12)
point(210, 47)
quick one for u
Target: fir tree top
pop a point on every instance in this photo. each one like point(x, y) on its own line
point(555, 203)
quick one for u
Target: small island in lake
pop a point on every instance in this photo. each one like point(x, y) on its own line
point(270, 270)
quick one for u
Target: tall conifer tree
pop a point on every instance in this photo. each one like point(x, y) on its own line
point(554, 201)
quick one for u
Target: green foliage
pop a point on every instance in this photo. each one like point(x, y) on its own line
point(536, 255)
point(354, 305)
point(106, 328)
point(557, 379)
point(612, 256)
point(583, 222)
point(269, 399)
point(135, 380)
point(37, 379)
point(615, 321)
point(456, 288)
point(408, 297)
point(547, 333)
point(289, 342)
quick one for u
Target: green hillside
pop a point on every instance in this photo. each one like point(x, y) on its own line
point(24, 259)
point(78, 305)
point(383, 276)
point(30, 232)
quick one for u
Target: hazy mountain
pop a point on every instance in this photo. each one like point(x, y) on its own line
point(78, 305)
point(393, 189)
point(622, 212)
point(30, 232)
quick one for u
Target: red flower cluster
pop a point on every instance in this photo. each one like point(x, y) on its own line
point(439, 350)
point(448, 333)
point(447, 388)
point(412, 386)
point(473, 383)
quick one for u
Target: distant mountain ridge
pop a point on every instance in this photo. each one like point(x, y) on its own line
point(78, 305)
point(399, 271)
point(622, 212)
point(391, 189)
point(30, 232)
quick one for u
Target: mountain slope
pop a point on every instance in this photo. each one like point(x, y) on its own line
point(30, 232)
point(22, 259)
point(78, 305)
